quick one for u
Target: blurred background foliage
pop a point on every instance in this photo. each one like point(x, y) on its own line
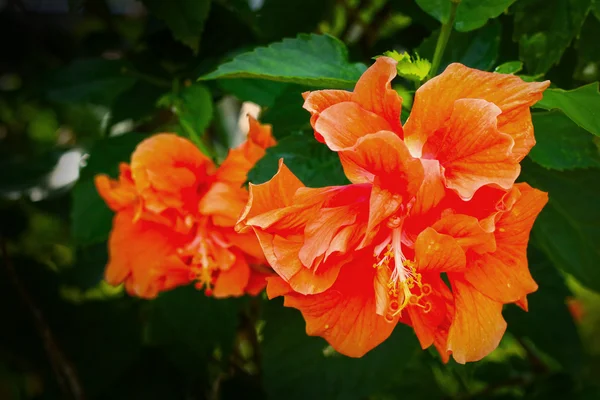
point(83, 81)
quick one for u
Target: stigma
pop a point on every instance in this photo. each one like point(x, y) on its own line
point(203, 267)
point(404, 287)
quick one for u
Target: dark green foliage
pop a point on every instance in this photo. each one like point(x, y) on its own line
point(92, 219)
point(308, 159)
point(477, 49)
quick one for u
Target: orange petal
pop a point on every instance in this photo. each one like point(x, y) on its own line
point(145, 254)
point(232, 282)
point(282, 256)
point(168, 172)
point(432, 190)
point(257, 282)
point(523, 303)
point(383, 155)
point(321, 230)
point(345, 314)
point(318, 101)
point(472, 151)
point(374, 92)
point(435, 319)
point(467, 231)
point(117, 194)
point(239, 161)
point(438, 252)
point(274, 194)
point(247, 243)
point(224, 203)
point(383, 277)
point(478, 325)
point(277, 287)
point(504, 274)
point(260, 134)
point(382, 205)
point(434, 101)
point(342, 124)
point(487, 205)
point(293, 219)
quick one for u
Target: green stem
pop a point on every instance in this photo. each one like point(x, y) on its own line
point(443, 39)
point(195, 137)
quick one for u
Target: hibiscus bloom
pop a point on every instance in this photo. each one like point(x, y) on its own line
point(435, 196)
point(175, 217)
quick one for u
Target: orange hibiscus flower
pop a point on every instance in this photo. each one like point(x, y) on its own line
point(435, 196)
point(175, 217)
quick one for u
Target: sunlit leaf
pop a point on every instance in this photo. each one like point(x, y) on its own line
point(313, 60)
point(510, 67)
point(582, 105)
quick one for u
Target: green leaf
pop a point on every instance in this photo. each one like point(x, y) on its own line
point(185, 18)
point(91, 218)
point(259, 91)
point(588, 56)
point(411, 68)
point(136, 103)
point(582, 105)
point(277, 19)
point(88, 270)
point(568, 228)
point(194, 107)
point(297, 366)
point(470, 14)
point(561, 144)
point(545, 29)
point(478, 49)
point(305, 157)
point(313, 60)
point(548, 324)
point(510, 67)
point(190, 325)
point(95, 81)
point(286, 114)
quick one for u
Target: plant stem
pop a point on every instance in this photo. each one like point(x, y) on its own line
point(443, 39)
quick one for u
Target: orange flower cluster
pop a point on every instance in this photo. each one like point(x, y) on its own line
point(432, 232)
point(175, 217)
